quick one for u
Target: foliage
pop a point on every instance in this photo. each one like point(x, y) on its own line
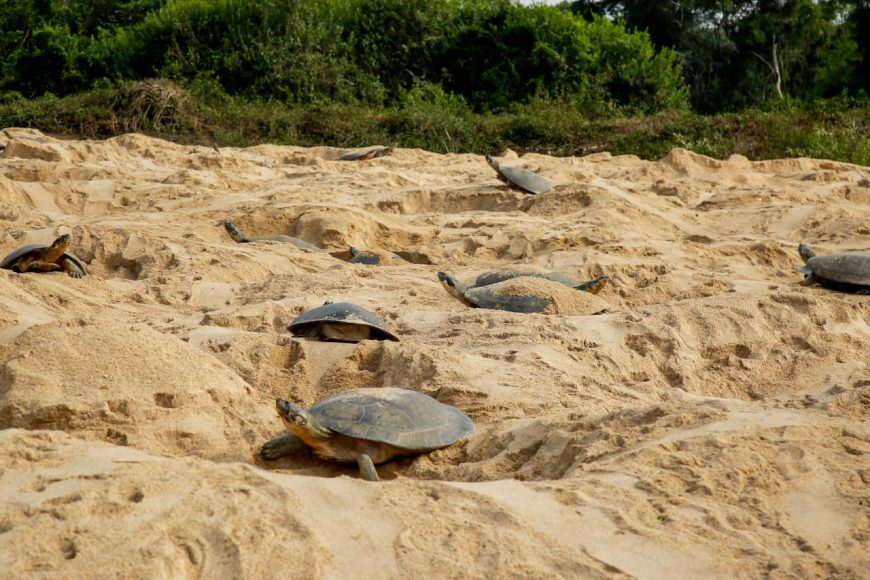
point(821, 48)
point(491, 53)
point(593, 57)
point(432, 119)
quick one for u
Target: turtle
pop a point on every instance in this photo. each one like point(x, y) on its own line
point(496, 290)
point(519, 177)
point(341, 322)
point(369, 426)
point(45, 258)
point(236, 234)
point(372, 153)
point(487, 278)
point(371, 258)
point(846, 272)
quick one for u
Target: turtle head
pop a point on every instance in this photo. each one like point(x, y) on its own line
point(492, 162)
point(290, 412)
point(57, 248)
point(806, 252)
point(354, 252)
point(299, 422)
point(61, 244)
point(234, 232)
point(595, 285)
point(453, 286)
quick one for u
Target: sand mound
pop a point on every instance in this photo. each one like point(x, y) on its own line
point(130, 385)
point(704, 415)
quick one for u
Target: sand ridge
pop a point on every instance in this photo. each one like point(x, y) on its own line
point(708, 417)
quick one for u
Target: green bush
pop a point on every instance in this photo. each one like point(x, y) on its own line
point(491, 53)
point(430, 118)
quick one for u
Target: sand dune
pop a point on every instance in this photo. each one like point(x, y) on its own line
point(705, 415)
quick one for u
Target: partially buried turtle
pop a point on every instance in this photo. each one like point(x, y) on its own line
point(519, 177)
point(368, 426)
point(341, 322)
point(519, 291)
point(371, 258)
point(849, 272)
point(371, 153)
point(45, 258)
point(237, 235)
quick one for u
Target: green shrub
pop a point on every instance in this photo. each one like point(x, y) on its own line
point(491, 53)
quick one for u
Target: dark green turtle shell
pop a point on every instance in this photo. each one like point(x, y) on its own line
point(369, 258)
point(362, 257)
point(402, 418)
point(10, 261)
point(497, 276)
point(852, 268)
point(492, 297)
point(341, 312)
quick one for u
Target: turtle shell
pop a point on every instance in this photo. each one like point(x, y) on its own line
point(494, 297)
point(10, 260)
point(525, 179)
point(497, 276)
point(522, 178)
point(360, 257)
point(530, 294)
point(402, 418)
point(364, 155)
point(374, 258)
point(841, 268)
point(341, 312)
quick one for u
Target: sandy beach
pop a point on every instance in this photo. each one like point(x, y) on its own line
point(704, 415)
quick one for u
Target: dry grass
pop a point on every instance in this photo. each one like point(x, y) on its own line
point(153, 104)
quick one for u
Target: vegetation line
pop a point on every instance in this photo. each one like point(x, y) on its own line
point(163, 109)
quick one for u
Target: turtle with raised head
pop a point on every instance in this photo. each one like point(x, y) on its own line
point(520, 291)
point(237, 235)
point(848, 272)
point(371, 153)
point(340, 322)
point(519, 177)
point(45, 258)
point(368, 426)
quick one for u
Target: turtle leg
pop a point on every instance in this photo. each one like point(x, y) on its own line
point(71, 268)
point(367, 468)
point(283, 444)
point(41, 266)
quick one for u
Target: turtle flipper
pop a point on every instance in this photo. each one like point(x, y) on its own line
point(367, 468)
point(283, 444)
point(809, 277)
point(41, 266)
point(71, 268)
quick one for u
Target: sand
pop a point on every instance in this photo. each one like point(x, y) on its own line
point(704, 415)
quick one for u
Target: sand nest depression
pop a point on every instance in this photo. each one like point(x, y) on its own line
point(704, 415)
